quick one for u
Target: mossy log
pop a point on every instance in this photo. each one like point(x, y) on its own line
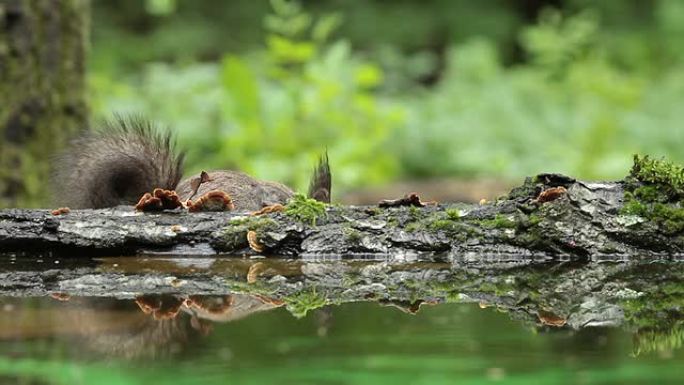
point(42, 91)
point(549, 217)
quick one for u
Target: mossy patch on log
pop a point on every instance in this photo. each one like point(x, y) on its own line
point(667, 176)
point(305, 209)
point(655, 191)
point(499, 222)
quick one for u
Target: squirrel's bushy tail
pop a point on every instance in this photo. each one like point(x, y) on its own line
point(320, 185)
point(116, 164)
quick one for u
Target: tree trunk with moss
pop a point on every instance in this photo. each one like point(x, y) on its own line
point(42, 91)
point(550, 216)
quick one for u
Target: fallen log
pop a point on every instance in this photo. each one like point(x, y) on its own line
point(550, 216)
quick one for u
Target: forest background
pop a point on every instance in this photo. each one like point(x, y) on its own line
point(396, 90)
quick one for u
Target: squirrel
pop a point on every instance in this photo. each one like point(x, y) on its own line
point(128, 157)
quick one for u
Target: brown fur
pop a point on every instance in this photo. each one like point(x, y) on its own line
point(246, 192)
point(116, 164)
point(128, 157)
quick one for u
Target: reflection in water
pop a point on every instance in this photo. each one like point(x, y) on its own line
point(251, 339)
point(159, 325)
point(149, 326)
point(307, 320)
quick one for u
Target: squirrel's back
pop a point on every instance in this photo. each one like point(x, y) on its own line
point(127, 157)
point(116, 164)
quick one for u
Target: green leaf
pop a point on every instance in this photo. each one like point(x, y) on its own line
point(368, 76)
point(289, 51)
point(325, 26)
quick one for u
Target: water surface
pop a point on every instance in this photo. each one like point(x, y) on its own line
point(516, 333)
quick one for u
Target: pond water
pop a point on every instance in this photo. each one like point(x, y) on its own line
point(513, 330)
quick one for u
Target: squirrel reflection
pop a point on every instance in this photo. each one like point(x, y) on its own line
point(154, 325)
point(205, 308)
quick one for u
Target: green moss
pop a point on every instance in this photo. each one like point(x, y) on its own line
point(352, 235)
point(305, 209)
point(634, 207)
point(667, 216)
point(303, 301)
point(442, 224)
point(534, 220)
point(499, 222)
point(259, 288)
point(655, 191)
point(497, 287)
point(454, 214)
point(667, 176)
point(647, 341)
point(659, 307)
point(254, 222)
point(456, 229)
point(414, 212)
point(671, 218)
point(412, 226)
point(649, 194)
point(235, 237)
point(418, 219)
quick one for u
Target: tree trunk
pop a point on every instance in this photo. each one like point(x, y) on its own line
point(550, 216)
point(42, 91)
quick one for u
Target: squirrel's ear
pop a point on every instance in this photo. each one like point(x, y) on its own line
point(321, 180)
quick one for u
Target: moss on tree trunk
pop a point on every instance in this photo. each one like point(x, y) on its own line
point(42, 91)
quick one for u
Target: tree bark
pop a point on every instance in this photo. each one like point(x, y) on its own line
point(42, 91)
point(582, 221)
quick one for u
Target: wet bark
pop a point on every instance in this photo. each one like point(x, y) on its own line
point(42, 91)
point(548, 217)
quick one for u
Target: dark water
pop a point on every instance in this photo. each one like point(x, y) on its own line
point(106, 341)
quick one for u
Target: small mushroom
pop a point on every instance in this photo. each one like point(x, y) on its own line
point(63, 297)
point(275, 208)
point(551, 194)
point(211, 304)
point(159, 200)
point(253, 242)
point(212, 201)
point(411, 199)
point(550, 319)
point(60, 211)
point(148, 203)
point(254, 271)
point(161, 307)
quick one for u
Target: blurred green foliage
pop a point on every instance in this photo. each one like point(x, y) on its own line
point(273, 112)
point(407, 90)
